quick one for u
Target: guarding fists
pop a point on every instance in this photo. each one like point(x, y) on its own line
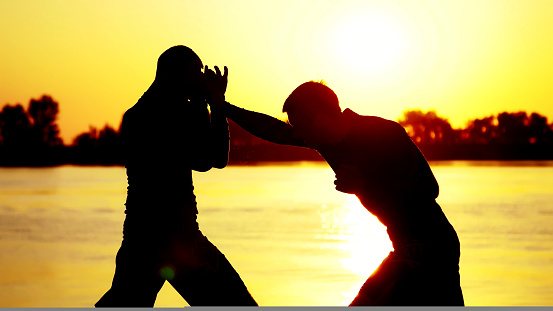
point(216, 84)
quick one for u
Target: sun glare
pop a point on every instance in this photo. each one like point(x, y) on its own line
point(366, 245)
point(369, 44)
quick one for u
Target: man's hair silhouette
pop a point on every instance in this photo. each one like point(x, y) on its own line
point(312, 98)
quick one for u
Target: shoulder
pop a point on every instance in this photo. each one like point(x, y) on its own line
point(374, 123)
point(135, 113)
point(141, 107)
point(128, 117)
point(129, 113)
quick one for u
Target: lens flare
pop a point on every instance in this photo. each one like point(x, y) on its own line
point(167, 273)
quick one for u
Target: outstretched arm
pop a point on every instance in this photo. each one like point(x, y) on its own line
point(264, 126)
point(258, 124)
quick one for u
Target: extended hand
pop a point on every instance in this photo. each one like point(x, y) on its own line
point(349, 179)
point(216, 83)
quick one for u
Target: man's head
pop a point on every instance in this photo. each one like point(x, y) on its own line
point(179, 68)
point(314, 112)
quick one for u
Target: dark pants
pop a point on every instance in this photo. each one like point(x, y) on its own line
point(185, 258)
point(413, 276)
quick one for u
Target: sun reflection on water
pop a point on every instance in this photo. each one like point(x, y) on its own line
point(360, 237)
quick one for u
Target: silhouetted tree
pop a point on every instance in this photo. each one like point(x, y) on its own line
point(86, 140)
point(513, 127)
point(482, 131)
point(98, 146)
point(108, 138)
point(44, 130)
point(427, 128)
point(539, 130)
point(14, 127)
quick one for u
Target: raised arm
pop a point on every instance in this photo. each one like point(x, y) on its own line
point(215, 139)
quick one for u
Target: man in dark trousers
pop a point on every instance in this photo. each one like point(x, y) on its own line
point(376, 160)
point(165, 135)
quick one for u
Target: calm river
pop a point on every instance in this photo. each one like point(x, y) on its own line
point(294, 240)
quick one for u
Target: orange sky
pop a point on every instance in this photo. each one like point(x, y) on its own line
point(465, 59)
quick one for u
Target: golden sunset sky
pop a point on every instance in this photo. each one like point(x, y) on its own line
point(465, 59)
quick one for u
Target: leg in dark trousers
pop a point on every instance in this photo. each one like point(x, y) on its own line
point(408, 282)
point(136, 281)
point(214, 282)
point(193, 266)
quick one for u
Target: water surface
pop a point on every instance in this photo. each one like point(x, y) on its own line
point(294, 239)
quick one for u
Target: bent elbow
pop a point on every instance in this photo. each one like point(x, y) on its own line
point(220, 165)
point(201, 168)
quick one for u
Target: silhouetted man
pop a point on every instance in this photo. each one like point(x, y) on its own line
point(376, 160)
point(165, 135)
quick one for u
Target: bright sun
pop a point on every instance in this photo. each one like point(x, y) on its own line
point(369, 44)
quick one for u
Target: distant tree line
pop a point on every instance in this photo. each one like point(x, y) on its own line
point(506, 136)
point(30, 137)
